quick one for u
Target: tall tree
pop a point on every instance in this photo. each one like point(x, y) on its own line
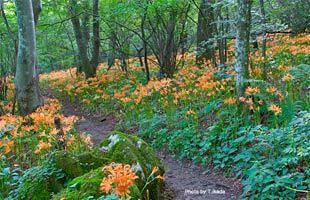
point(205, 32)
point(82, 35)
point(96, 34)
point(243, 26)
point(144, 42)
point(26, 78)
point(264, 41)
point(37, 8)
point(84, 64)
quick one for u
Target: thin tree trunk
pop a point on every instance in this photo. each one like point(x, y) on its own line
point(205, 32)
point(85, 64)
point(111, 54)
point(146, 64)
point(96, 34)
point(226, 32)
point(242, 44)
point(11, 34)
point(221, 44)
point(26, 79)
point(264, 42)
point(37, 8)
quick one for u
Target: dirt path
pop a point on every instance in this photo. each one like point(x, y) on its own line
point(183, 180)
point(95, 125)
point(188, 182)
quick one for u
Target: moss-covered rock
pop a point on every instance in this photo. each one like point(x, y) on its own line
point(129, 149)
point(76, 165)
point(85, 169)
point(88, 185)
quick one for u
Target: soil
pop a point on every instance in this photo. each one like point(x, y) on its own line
point(183, 179)
point(186, 181)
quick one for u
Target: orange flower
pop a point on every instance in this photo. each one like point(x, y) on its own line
point(230, 101)
point(287, 77)
point(242, 99)
point(70, 140)
point(87, 139)
point(190, 112)
point(119, 181)
point(257, 71)
point(274, 108)
point(160, 177)
point(42, 146)
point(7, 145)
point(155, 169)
point(250, 103)
point(252, 90)
point(271, 89)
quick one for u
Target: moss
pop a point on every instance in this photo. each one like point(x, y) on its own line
point(130, 149)
point(86, 186)
point(77, 165)
point(34, 190)
point(83, 186)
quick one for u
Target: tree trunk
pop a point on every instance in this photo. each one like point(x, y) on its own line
point(37, 8)
point(264, 42)
point(205, 32)
point(146, 64)
point(82, 42)
point(220, 35)
point(111, 54)
point(242, 44)
point(26, 79)
point(96, 34)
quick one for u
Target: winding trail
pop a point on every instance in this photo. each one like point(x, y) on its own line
point(183, 180)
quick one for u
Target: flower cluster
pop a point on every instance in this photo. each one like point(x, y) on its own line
point(39, 132)
point(275, 109)
point(120, 178)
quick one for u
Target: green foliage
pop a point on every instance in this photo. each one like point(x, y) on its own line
point(39, 182)
point(276, 162)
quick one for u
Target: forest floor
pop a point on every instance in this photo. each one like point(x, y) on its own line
point(183, 179)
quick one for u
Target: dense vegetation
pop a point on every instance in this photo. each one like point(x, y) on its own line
point(222, 83)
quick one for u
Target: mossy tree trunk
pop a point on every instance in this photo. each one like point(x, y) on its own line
point(243, 26)
point(26, 78)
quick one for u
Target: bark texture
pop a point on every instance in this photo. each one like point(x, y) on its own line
point(264, 41)
point(82, 36)
point(205, 32)
point(26, 79)
point(243, 26)
point(96, 33)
